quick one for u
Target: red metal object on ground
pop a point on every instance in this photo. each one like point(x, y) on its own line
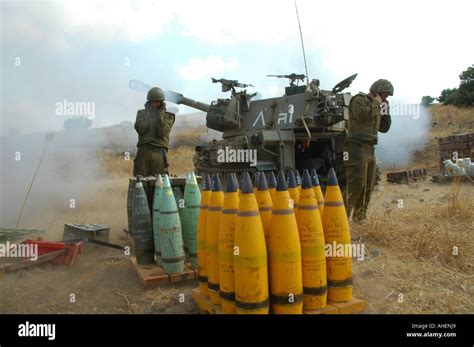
point(70, 250)
point(63, 253)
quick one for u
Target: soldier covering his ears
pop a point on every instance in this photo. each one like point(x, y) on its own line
point(368, 114)
point(153, 125)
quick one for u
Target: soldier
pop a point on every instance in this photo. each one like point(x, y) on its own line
point(368, 114)
point(153, 126)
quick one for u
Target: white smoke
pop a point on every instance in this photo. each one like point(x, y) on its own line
point(410, 126)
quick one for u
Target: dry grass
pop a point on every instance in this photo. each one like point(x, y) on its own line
point(181, 160)
point(114, 164)
point(425, 253)
point(187, 135)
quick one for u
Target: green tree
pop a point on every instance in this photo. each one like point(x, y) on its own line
point(447, 95)
point(463, 96)
point(427, 100)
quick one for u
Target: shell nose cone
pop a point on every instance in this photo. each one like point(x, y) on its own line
point(207, 182)
point(298, 177)
point(192, 178)
point(232, 185)
point(332, 178)
point(166, 182)
point(291, 180)
point(281, 182)
point(217, 186)
point(271, 180)
point(256, 178)
point(306, 180)
point(314, 177)
point(247, 186)
point(262, 182)
point(159, 181)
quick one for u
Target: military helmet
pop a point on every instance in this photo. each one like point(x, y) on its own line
point(155, 94)
point(381, 86)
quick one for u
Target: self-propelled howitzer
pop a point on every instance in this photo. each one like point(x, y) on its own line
point(303, 129)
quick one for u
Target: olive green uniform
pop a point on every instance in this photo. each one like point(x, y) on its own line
point(153, 127)
point(365, 121)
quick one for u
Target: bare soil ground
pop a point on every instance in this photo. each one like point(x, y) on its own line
point(419, 248)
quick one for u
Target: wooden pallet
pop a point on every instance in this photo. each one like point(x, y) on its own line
point(153, 275)
point(353, 306)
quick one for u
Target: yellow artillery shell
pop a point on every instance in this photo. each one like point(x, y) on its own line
point(317, 191)
point(264, 201)
point(336, 232)
point(212, 234)
point(250, 256)
point(313, 255)
point(225, 247)
point(201, 230)
point(285, 254)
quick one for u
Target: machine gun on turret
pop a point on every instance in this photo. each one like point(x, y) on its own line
point(292, 77)
point(230, 84)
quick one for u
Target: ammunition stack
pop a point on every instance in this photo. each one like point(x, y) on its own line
point(262, 246)
point(163, 222)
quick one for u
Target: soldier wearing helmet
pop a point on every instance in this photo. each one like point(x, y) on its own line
point(368, 114)
point(153, 125)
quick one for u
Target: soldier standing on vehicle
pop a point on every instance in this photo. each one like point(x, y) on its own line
point(368, 114)
point(153, 126)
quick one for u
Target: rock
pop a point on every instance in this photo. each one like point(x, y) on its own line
point(422, 200)
point(426, 190)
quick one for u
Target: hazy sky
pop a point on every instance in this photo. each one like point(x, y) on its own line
point(87, 51)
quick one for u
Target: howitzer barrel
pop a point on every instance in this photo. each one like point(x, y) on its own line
point(178, 98)
point(195, 104)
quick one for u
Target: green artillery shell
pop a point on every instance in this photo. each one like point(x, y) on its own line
point(171, 238)
point(189, 221)
point(141, 225)
point(156, 218)
point(131, 185)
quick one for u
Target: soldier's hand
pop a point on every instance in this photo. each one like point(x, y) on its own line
point(384, 108)
point(378, 98)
